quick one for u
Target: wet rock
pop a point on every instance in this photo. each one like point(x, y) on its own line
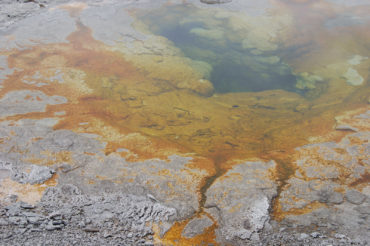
point(307, 81)
point(202, 87)
point(353, 77)
point(355, 197)
point(212, 34)
point(196, 226)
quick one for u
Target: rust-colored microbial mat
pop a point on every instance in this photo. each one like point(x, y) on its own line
point(156, 105)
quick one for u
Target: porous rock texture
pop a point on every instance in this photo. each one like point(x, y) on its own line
point(242, 199)
point(66, 216)
point(330, 188)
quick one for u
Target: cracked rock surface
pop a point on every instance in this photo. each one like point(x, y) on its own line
point(66, 214)
point(242, 197)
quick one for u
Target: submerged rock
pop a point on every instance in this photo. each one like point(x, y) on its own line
point(208, 34)
point(307, 81)
point(353, 77)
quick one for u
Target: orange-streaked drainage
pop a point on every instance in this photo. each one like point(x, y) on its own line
point(246, 132)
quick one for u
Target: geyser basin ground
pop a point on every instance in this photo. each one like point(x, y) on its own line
point(181, 123)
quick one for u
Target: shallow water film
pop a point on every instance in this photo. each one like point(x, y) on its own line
point(224, 122)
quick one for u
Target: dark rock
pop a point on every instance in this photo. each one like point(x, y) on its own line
point(346, 128)
point(57, 222)
point(91, 229)
point(35, 230)
point(26, 205)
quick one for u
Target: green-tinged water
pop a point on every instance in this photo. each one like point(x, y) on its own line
point(231, 64)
